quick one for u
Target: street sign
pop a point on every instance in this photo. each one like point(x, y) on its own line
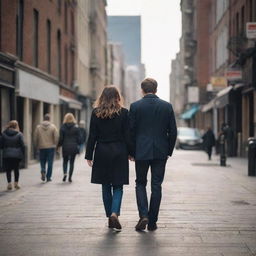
point(219, 81)
point(193, 94)
point(251, 30)
point(234, 75)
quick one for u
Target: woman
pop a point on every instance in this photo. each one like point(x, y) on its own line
point(69, 141)
point(12, 143)
point(109, 159)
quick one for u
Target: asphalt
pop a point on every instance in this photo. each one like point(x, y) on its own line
point(206, 210)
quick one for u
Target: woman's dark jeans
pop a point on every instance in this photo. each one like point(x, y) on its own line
point(71, 160)
point(112, 198)
point(9, 165)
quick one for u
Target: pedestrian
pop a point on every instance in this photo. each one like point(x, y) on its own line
point(70, 140)
point(109, 132)
point(209, 142)
point(12, 143)
point(83, 135)
point(154, 132)
point(46, 138)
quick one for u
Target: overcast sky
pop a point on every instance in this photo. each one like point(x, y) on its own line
point(161, 30)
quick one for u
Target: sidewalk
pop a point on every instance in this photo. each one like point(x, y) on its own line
point(206, 210)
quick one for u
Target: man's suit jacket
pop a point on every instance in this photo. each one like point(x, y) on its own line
point(153, 128)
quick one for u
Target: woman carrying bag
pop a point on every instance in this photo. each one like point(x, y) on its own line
point(107, 151)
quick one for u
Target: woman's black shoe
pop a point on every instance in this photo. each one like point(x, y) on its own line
point(64, 177)
point(69, 179)
point(114, 223)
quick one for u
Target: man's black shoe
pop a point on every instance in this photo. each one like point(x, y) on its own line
point(141, 225)
point(152, 226)
point(49, 179)
point(43, 176)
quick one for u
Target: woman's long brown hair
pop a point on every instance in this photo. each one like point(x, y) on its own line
point(109, 103)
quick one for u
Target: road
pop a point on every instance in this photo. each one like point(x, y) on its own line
point(206, 210)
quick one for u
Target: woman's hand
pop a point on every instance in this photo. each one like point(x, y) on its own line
point(90, 163)
point(131, 158)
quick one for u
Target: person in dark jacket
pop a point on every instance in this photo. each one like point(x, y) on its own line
point(209, 142)
point(69, 140)
point(12, 143)
point(154, 132)
point(83, 135)
point(107, 151)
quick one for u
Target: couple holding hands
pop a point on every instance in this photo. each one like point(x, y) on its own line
point(146, 134)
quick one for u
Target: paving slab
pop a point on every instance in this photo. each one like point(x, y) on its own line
point(206, 210)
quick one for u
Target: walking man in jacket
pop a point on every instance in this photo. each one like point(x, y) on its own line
point(154, 132)
point(46, 139)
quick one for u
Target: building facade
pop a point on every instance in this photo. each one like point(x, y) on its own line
point(221, 63)
point(126, 30)
point(98, 59)
point(53, 59)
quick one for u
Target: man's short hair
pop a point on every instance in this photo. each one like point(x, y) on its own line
point(149, 85)
point(47, 117)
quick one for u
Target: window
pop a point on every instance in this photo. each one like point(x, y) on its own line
point(221, 48)
point(66, 64)
point(221, 7)
point(35, 38)
point(59, 54)
point(19, 29)
point(72, 23)
point(66, 17)
point(250, 10)
point(242, 20)
point(48, 43)
point(237, 23)
point(72, 66)
point(59, 6)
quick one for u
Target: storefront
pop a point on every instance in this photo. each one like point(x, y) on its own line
point(37, 94)
point(7, 92)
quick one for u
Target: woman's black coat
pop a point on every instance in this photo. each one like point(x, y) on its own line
point(70, 139)
point(108, 145)
point(12, 143)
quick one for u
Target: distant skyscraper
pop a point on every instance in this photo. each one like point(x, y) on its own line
point(127, 31)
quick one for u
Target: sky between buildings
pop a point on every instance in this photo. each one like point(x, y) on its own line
point(161, 30)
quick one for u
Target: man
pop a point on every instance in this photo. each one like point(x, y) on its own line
point(154, 132)
point(209, 142)
point(46, 138)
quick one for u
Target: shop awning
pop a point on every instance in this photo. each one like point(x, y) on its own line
point(208, 106)
point(222, 98)
point(188, 114)
point(72, 103)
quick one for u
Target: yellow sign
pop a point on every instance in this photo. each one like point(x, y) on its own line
point(219, 81)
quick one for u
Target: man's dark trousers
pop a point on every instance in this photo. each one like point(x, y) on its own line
point(157, 177)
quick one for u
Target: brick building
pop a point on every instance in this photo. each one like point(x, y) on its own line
point(38, 38)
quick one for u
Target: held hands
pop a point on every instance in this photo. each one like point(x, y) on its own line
point(131, 158)
point(90, 163)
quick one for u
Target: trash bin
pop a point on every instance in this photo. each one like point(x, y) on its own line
point(252, 157)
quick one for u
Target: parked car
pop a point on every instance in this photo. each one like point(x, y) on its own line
point(189, 138)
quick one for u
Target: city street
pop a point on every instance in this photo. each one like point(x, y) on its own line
point(206, 210)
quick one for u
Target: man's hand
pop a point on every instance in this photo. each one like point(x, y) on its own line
point(131, 158)
point(90, 163)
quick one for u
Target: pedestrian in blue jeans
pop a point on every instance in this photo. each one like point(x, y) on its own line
point(46, 138)
point(107, 151)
